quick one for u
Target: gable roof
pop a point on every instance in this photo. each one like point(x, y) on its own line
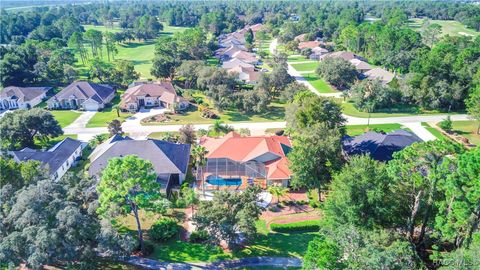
point(360, 65)
point(379, 146)
point(244, 149)
point(164, 91)
point(85, 90)
point(245, 56)
point(381, 74)
point(23, 94)
point(308, 44)
point(166, 157)
point(236, 62)
point(54, 157)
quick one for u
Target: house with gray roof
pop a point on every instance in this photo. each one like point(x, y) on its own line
point(170, 160)
point(384, 76)
point(57, 159)
point(14, 97)
point(82, 95)
point(380, 146)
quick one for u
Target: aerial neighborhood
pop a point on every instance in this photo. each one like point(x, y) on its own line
point(253, 135)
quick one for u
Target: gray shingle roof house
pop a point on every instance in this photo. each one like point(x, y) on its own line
point(82, 95)
point(381, 74)
point(170, 160)
point(14, 97)
point(57, 159)
point(380, 146)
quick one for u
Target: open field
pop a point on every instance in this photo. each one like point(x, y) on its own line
point(452, 28)
point(468, 129)
point(100, 119)
point(65, 117)
point(311, 66)
point(141, 53)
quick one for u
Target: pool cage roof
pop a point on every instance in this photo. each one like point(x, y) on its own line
point(227, 168)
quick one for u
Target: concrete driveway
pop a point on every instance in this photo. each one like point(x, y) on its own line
point(135, 120)
point(82, 120)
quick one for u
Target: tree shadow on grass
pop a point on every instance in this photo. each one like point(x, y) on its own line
point(179, 251)
point(133, 45)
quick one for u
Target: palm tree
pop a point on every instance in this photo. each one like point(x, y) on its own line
point(218, 127)
point(117, 108)
point(198, 153)
point(278, 191)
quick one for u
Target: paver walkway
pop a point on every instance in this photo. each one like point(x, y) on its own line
point(227, 264)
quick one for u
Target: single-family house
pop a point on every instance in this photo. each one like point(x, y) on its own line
point(246, 74)
point(380, 146)
point(308, 44)
point(160, 94)
point(347, 56)
point(380, 74)
point(14, 97)
point(317, 53)
point(82, 95)
point(225, 54)
point(57, 159)
point(246, 57)
point(300, 38)
point(235, 162)
point(360, 65)
point(169, 160)
point(235, 62)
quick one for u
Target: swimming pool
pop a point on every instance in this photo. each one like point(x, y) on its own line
point(219, 181)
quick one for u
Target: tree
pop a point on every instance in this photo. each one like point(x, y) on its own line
point(95, 38)
point(278, 191)
point(430, 32)
point(459, 216)
point(249, 37)
point(374, 94)
point(315, 155)
point(76, 42)
point(189, 71)
point(446, 124)
point(416, 172)
point(473, 105)
point(127, 185)
point(187, 134)
point(337, 71)
point(322, 253)
point(308, 110)
point(20, 174)
point(229, 216)
point(19, 128)
point(115, 127)
point(462, 258)
point(116, 107)
point(360, 194)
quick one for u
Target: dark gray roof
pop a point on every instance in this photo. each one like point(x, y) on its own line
point(85, 90)
point(166, 157)
point(379, 146)
point(24, 94)
point(54, 157)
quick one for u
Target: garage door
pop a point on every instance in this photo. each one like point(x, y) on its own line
point(90, 106)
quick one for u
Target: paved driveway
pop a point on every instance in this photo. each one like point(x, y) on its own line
point(136, 119)
point(82, 120)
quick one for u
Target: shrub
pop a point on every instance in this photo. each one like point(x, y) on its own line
point(198, 236)
point(148, 248)
point(446, 124)
point(163, 229)
point(307, 225)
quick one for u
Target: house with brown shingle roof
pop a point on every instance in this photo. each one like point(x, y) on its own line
point(381, 74)
point(160, 94)
point(246, 74)
point(13, 97)
point(308, 44)
point(82, 95)
point(236, 161)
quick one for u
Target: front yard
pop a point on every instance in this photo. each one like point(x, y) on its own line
point(65, 117)
point(101, 119)
point(310, 66)
point(318, 83)
point(355, 130)
point(467, 129)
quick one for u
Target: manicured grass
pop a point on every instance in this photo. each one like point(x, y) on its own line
point(52, 142)
point(449, 27)
point(179, 251)
point(320, 85)
point(296, 58)
point(311, 66)
point(65, 117)
point(102, 28)
point(434, 131)
point(354, 130)
point(101, 119)
point(274, 112)
point(468, 129)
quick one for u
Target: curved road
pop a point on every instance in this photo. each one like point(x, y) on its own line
point(135, 129)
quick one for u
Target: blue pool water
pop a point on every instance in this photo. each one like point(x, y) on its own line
point(218, 181)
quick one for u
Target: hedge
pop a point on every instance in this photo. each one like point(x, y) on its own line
point(306, 225)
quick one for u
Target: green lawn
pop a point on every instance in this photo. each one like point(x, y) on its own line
point(319, 84)
point(453, 28)
point(100, 119)
point(434, 131)
point(179, 251)
point(65, 117)
point(296, 58)
point(354, 130)
point(311, 66)
point(275, 112)
point(468, 129)
point(52, 142)
point(102, 28)
point(141, 53)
